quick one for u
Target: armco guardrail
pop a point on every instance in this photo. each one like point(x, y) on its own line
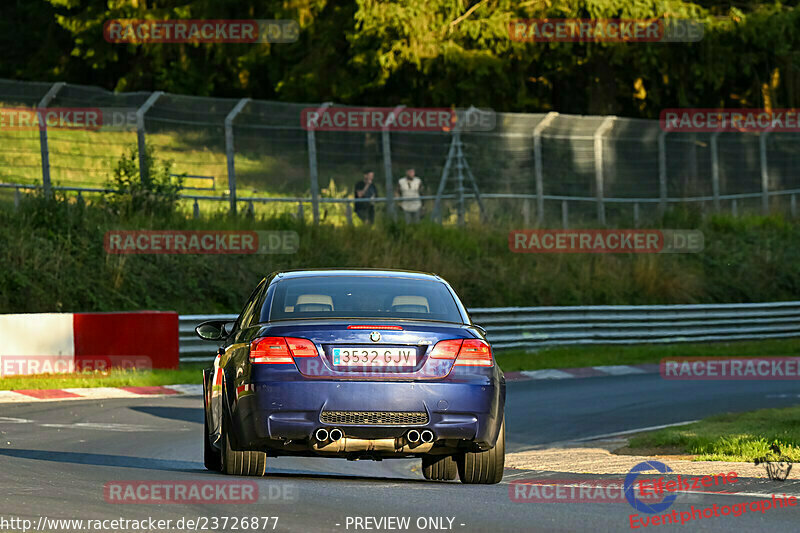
point(534, 327)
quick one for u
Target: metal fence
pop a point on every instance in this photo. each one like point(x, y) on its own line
point(537, 327)
point(533, 167)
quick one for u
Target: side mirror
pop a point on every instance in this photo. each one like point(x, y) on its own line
point(227, 328)
point(211, 330)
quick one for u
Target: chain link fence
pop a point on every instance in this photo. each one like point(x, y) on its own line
point(243, 154)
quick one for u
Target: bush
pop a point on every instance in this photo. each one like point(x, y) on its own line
point(157, 195)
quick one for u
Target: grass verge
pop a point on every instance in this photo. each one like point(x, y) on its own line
point(55, 261)
point(729, 437)
point(582, 356)
point(189, 373)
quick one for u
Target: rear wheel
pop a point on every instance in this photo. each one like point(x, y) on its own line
point(486, 467)
point(236, 462)
point(439, 467)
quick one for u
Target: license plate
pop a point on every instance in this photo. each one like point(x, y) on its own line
point(374, 357)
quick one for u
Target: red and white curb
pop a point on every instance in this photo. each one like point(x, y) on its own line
point(587, 372)
point(97, 393)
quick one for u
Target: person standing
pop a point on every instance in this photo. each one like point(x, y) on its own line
point(366, 189)
point(409, 188)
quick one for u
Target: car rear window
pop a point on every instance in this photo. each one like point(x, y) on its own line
point(362, 297)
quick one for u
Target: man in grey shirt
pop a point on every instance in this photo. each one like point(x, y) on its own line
point(408, 189)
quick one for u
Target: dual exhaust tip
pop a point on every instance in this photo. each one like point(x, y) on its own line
point(413, 436)
point(323, 434)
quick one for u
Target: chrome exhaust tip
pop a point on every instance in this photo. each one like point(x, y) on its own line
point(321, 434)
point(413, 435)
point(427, 436)
point(336, 434)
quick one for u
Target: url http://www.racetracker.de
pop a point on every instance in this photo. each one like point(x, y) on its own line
point(198, 523)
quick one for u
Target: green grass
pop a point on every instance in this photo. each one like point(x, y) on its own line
point(583, 356)
point(54, 261)
point(729, 437)
point(87, 158)
point(186, 374)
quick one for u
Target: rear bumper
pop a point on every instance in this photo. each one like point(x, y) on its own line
point(290, 410)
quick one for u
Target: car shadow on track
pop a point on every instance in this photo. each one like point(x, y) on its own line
point(184, 414)
point(101, 459)
point(191, 467)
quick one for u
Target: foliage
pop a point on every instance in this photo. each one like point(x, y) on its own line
point(157, 193)
point(433, 52)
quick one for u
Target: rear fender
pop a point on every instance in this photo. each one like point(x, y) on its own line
point(212, 394)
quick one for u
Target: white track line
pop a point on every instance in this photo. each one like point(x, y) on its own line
point(189, 390)
point(619, 370)
point(630, 431)
point(101, 393)
point(549, 373)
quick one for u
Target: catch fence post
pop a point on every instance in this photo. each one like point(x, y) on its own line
point(229, 153)
point(715, 169)
point(662, 172)
point(538, 164)
point(143, 170)
point(312, 166)
point(45, 153)
point(387, 163)
point(598, 167)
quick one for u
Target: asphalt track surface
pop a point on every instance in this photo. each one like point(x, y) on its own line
point(55, 458)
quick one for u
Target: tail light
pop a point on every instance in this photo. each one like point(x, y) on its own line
point(280, 350)
point(394, 328)
point(466, 352)
point(301, 347)
point(474, 352)
point(446, 349)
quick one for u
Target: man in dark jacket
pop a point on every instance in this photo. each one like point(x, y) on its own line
point(366, 189)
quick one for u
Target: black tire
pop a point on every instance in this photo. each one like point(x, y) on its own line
point(439, 467)
point(485, 468)
point(211, 456)
point(236, 462)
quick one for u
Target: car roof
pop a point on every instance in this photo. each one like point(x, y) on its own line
point(364, 272)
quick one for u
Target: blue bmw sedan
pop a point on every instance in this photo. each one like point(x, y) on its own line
point(356, 364)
